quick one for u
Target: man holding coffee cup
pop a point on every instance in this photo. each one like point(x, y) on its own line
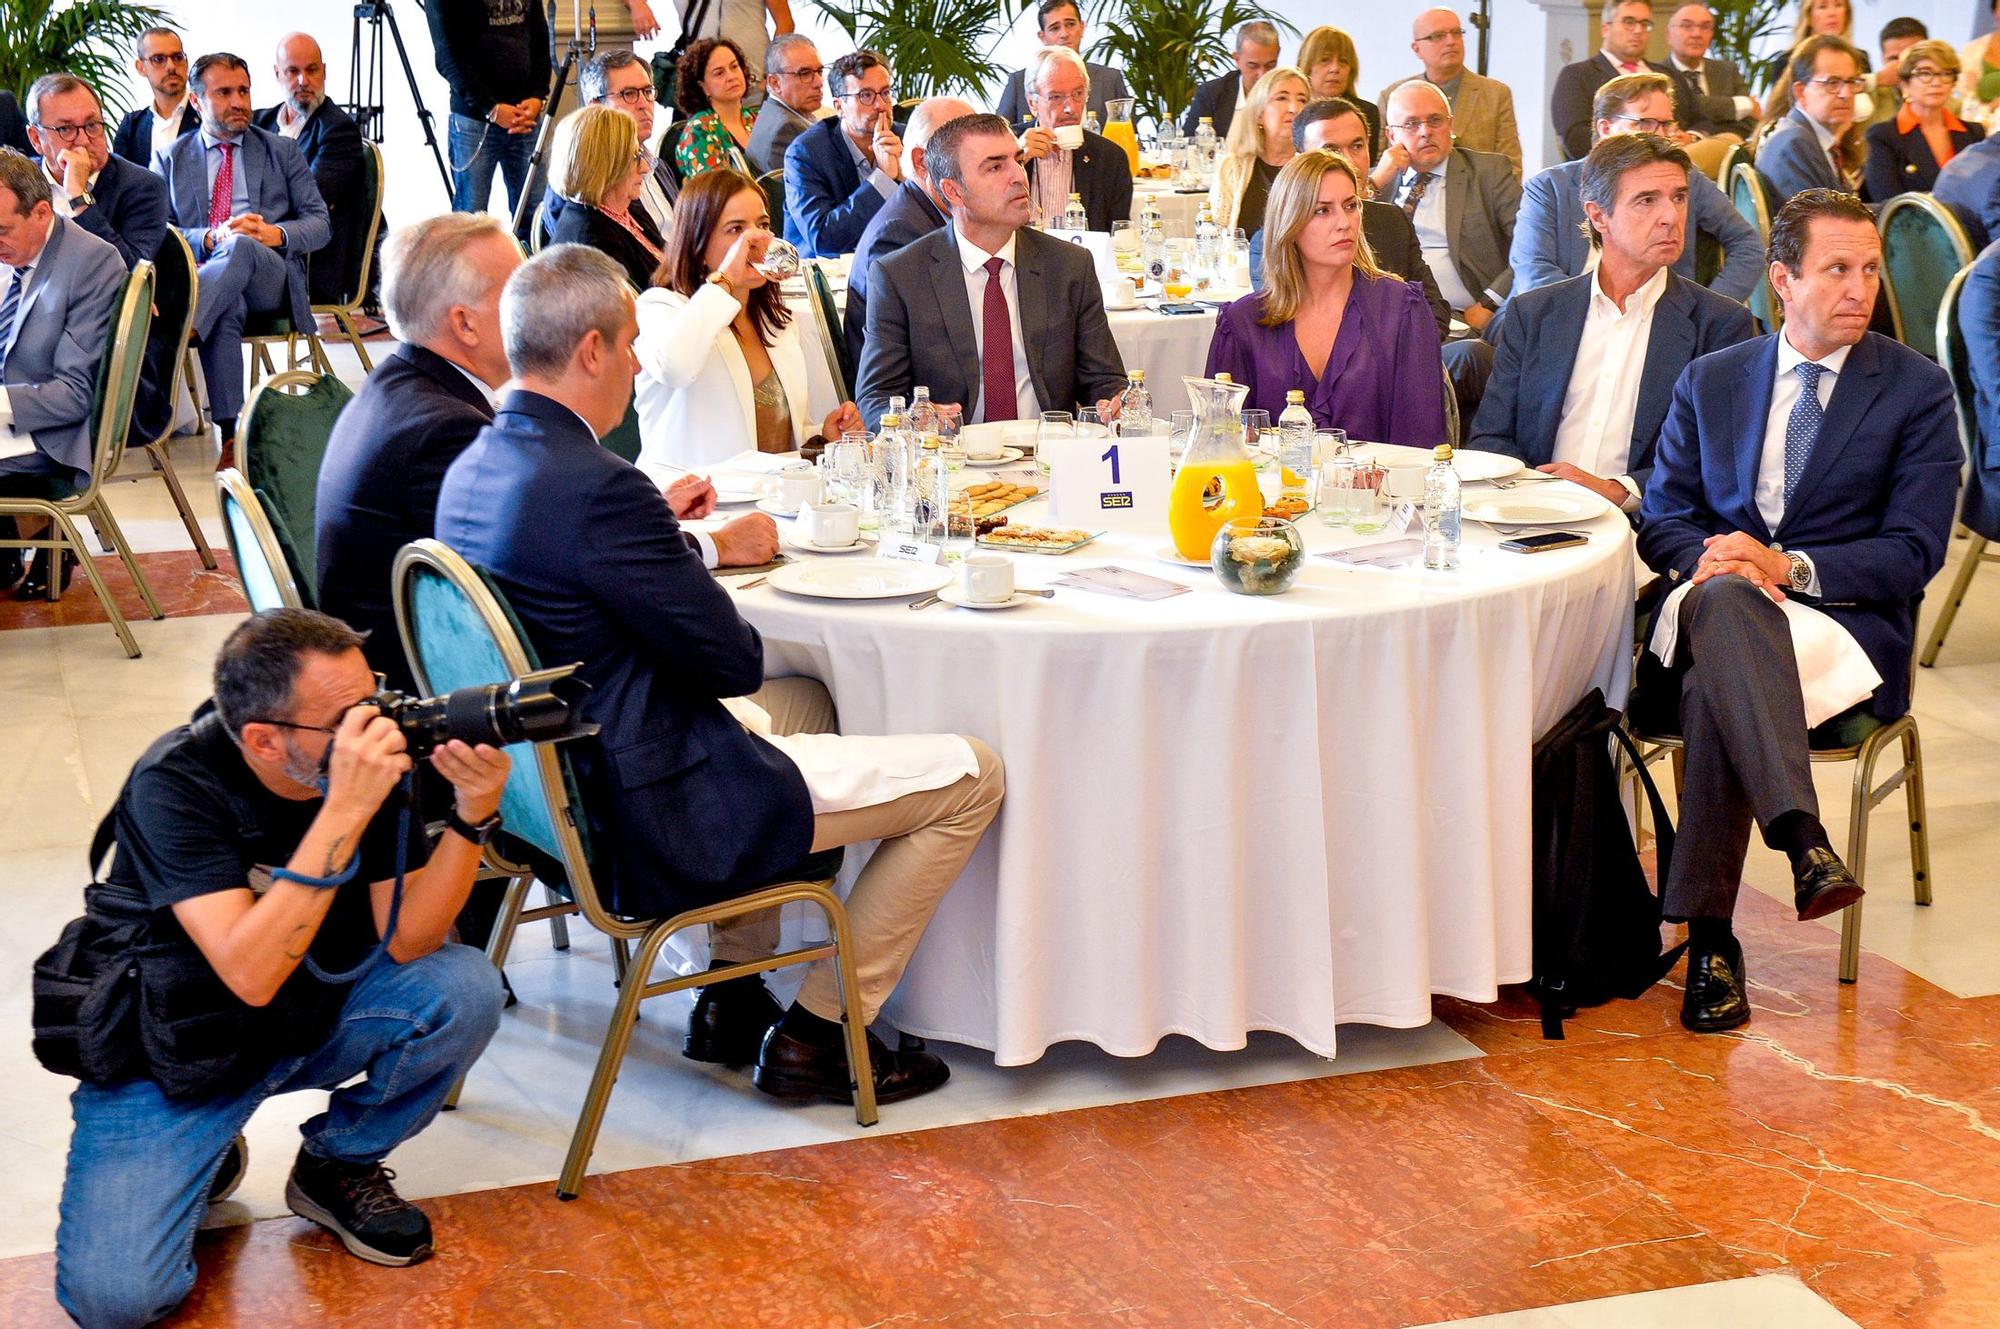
point(1063, 157)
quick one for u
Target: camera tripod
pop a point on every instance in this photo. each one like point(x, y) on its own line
point(1482, 19)
point(582, 42)
point(366, 82)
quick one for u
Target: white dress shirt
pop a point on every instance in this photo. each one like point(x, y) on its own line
point(1026, 407)
point(654, 199)
point(1430, 226)
point(1827, 138)
point(290, 123)
point(1595, 433)
point(1770, 493)
point(167, 128)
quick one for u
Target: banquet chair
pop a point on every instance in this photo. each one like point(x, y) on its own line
point(1725, 165)
point(175, 289)
point(282, 441)
point(354, 282)
point(538, 229)
point(116, 388)
point(623, 440)
point(458, 631)
point(1859, 736)
point(1752, 199)
point(1955, 356)
point(773, 185)
point(261, 331)
point(263, 563)
point(1453, 426)
point(832, 339)
point(1923, 244)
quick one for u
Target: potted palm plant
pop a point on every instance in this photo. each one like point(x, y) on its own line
point(88, 38)
point(933, 47)
point(1168, 47)
point(1743, 29)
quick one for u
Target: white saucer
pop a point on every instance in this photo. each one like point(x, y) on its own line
point(1006, 455)
point(952, 595)
point(770, 505)
point(1169, 554)
point(804, 547)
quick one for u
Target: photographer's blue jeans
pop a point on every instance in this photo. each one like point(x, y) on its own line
point(140, 1164)
point(478, 147)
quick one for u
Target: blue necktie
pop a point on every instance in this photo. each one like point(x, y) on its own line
point(10, 311)
point(1802, 430)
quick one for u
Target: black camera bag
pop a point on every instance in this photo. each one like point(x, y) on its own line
point(86, 987)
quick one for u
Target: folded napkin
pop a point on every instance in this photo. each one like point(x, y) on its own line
point(847, 771)
point(1834, 672)
point(758, 463)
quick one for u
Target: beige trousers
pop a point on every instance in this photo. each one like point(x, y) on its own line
point(925, 841)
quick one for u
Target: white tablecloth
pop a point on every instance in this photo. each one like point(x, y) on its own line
point(1177, 210)
point(1228, 813)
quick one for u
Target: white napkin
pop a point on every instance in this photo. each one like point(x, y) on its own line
point(15, 445)
point(1834, 672)
point(758, 463)
point(847, 771)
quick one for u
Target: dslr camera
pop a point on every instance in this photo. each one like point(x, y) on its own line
point(540, 707)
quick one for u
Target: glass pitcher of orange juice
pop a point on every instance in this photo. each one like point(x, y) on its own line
point(1118, 127)
point(1214, 460)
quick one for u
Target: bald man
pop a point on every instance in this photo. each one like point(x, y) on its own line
point(331, 142)
point(912, 212)
point(1482, 108)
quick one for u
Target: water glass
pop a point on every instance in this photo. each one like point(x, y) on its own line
point(781, 261)
point(1056, 427)
point(1178, 281)
point(1180, 432)
point(848, 472)
point(1125, 245)
point(1089, 424)
point(1257, 431)
point(1367, 509)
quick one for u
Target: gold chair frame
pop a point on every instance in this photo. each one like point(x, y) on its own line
point(829, 328)
point(1760, 202)
point(232, 486)
point(1943, 217)
point(156, 449)
point(1976, 551)
point(344, 315)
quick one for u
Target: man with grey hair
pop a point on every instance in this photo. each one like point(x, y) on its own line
point(1060, 23)
point(121, 204)
point(1219, 99)
point(698, 792)
point(912, 212)
point(1096, 168)
point(794, 99)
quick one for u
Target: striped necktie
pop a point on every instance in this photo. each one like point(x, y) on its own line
point(11, 310)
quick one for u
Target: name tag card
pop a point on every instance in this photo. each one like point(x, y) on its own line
point(1406, 516)
point(914, 551)
point(1110, 483)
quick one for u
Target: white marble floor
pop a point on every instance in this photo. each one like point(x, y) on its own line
point(1774, 1301)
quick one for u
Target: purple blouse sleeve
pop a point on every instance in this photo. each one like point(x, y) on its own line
point(1228, 352)
point(1417, 407)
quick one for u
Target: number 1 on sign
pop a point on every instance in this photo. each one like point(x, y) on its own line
point(1111, 455)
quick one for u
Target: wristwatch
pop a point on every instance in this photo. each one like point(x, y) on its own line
point(476, 832)
point(1801, 576)
point(83, 200)
point(721, 278)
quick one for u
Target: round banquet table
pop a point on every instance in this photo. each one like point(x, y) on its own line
point(1227, 813)
point(1178, 208)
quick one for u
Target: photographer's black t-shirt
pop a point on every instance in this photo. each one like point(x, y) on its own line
point(192, 820)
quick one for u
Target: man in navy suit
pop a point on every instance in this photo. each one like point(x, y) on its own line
point(1626, 30)
point(1563, 396)
point(1969, 184)
point(149, 131)
point(1809, 148)
point(1217, 99)
point(121, 204)
point(1979, 318)
point(839, 173)
point(331, 142)
point(245, 201)
point(690, 804)
point(1820, 463)
point(913, 212)
point(1549, 242)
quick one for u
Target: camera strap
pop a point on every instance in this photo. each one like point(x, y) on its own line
point(375, 953)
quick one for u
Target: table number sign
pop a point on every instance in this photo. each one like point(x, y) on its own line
point(1110, 482)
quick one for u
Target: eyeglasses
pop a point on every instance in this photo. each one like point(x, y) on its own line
point(162, 61)
point(1636, 24)
point(870, 97)
point(806, 72)
point(1442, 35)
point(1065, 98)
point(71, 133)
point(632, 97)
point(381, 681)
point(1647, 125)
point(1838, 87)
point(1430, 122)
point(1928, 75)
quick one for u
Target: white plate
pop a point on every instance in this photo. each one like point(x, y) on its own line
point(739, 488)
point(860, 579)
point(952, 595)
point(804, 548)
point(1012, 433)
point(1544, 505)
point(770, 506)
point(1006, 456)
point(1469, 465)
point(1169, 554)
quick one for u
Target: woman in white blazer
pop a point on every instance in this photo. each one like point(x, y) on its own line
point(721, 368)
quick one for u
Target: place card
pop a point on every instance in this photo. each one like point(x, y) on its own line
point(1380, 554)
point(1115, 482)
point(1405, 517)
point(912, 551)
point(1126, 583)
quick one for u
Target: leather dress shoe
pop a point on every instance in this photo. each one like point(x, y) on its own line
point(1714, 999)
point(1822, 885)
point(794, 1069)
point(35, 586)
point(729, 1022)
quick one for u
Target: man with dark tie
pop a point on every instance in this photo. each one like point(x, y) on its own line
point(148, 132)
point(1815, 146)
point(1713, 93)
point(1626, 31)
point(1817, 465)
point(989, 313)
point(245, 201)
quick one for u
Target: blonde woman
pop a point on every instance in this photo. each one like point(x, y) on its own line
point(1259, 145)
point(1362, 345)
point(1333, 69)
point(597, 168)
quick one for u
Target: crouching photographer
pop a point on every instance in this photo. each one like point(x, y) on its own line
point(286, 933)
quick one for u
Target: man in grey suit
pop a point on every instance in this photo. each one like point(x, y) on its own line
point(993, 316)
point(1810, 148)
point(1482, 109)
point(245, 201)
point(794, 100)
point(1060, 23)
point(57, 287)
point(1713, 93)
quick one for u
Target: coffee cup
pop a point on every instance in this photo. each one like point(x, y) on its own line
point(1069, 137)
point(982, 444)
point(987, 578)
point(1405, 481)
point(798, 485)
point(830, 525)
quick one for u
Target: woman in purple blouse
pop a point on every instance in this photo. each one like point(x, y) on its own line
point(1360, 344)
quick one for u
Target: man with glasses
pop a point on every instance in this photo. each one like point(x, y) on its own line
point(1221, 97)
point(839, 173)
point(121, 204)
point(1713, 91)
point(266, 835)
point(331, 141)
point(620, 80)
point(1817, 145)
point(1097, 168)
point(1060, 23)
point(1626, 30)
point(1482, 108)
point(794, 100)
point(915, 211)
point(1549, 241)
point(149, 131)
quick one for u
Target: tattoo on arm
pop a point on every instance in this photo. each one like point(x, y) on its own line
point(332, 855)
point(299, 942)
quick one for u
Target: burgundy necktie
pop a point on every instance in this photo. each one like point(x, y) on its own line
point(225, 185)
point(997, 357)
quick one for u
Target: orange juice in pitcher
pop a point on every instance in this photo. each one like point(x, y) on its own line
point(1214, 457)
point(1118, 127)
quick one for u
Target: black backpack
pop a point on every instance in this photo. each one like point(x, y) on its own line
point(1596, 921)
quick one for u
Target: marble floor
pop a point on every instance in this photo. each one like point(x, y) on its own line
point(1834, 1163)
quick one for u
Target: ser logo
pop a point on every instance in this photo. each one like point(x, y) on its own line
point(1121, 498)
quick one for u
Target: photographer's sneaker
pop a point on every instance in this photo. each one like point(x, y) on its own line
point(235, 1162)
point(356, 1203)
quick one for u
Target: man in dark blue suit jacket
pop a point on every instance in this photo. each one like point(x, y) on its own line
point(1969, 185)
point(121, 204)
point(1979, 317)
point(839, 173)
point(331, 142)
point(689, 805)
point(1799, 152)
point(163, 64)
point(1821, 464)
point(911, 213)
point(1575, 342)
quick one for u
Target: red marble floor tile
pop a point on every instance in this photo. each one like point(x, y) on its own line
point(180, 583)
point(1949, 1289)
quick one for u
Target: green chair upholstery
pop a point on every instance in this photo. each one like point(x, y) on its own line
point(1752, 199)
point(1923, 245)
point(263, 565)
point(773, 184)
point(1956, 357)
point(280, 445)
point(457, 630)
point(832, 338)
point(624, 439)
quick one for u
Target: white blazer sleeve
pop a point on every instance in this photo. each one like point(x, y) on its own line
point(677, 335)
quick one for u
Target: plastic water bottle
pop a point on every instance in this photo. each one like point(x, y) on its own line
point(1135, 413)
point(923, 415)
point(1153, 242)
point(1076, 217)
point(1441, 512)
point(1090, 124)
point(1206, 237)
point(896, 453)
point(1295, 446)
point(1204, 145)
